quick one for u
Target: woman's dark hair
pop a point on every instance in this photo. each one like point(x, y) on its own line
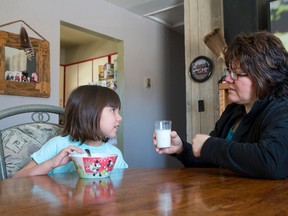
point(83, 112)
point(264, 58)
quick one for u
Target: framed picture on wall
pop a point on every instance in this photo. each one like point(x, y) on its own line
point(201, 69)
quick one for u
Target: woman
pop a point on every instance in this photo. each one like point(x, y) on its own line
point(251, 136)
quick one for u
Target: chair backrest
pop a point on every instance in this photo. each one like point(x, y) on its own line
point(19, 141)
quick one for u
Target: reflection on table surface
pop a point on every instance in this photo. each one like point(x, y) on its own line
point(138, 192)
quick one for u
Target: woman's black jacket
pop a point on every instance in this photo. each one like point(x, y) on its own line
point(259, 147)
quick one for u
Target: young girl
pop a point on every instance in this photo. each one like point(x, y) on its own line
point(91, 118)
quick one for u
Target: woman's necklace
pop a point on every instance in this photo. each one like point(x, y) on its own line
point(237, 123)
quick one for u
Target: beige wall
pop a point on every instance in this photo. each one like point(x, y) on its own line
point(90, 51)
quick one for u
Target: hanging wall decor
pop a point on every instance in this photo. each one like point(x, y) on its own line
point(201, 68)
point(24, 63)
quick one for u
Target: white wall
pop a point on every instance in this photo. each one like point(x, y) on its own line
point(150, 51)
point(90, 51)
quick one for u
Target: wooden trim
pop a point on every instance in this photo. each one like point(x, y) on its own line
point(223, 96)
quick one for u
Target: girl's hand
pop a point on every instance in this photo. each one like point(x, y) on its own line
point(197, 143)
point(63, 156)
point(33, 169)
point(176, 145)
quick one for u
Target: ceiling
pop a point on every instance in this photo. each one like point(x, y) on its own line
point(167, 12)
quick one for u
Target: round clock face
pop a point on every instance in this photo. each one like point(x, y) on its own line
point(201, 69)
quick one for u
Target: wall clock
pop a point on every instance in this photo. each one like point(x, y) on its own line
point(201, 68)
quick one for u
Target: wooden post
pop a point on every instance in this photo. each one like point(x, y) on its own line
point(200, 18)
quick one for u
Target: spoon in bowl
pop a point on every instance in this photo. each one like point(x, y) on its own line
point(88, 152)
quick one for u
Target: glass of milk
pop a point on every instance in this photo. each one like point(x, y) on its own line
point(162, 131)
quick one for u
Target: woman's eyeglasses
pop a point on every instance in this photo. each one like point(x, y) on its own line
point(234, 76)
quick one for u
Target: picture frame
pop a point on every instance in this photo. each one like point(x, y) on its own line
point(38, 83)
point(201, 68)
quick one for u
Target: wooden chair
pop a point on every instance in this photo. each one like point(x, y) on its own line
point(19, 141)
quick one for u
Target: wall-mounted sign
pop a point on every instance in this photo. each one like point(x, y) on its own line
point(201, 68)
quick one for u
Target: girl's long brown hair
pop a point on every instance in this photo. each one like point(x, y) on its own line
point(83, 112)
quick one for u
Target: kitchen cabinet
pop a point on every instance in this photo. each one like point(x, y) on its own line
point(84, 73)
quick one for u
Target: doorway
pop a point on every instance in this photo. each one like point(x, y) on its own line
point(82, 53)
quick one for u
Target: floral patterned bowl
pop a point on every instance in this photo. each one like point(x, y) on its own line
point(94, 166)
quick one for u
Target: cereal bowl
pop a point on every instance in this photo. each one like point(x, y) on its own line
point(94, 166)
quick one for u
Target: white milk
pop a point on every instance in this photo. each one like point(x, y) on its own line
point(163, 138)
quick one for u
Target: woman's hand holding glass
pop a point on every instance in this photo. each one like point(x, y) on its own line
point(176, 145)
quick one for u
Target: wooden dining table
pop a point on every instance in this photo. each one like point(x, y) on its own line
point(140, 191)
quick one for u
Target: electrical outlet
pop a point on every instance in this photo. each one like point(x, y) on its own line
point(201, 106)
